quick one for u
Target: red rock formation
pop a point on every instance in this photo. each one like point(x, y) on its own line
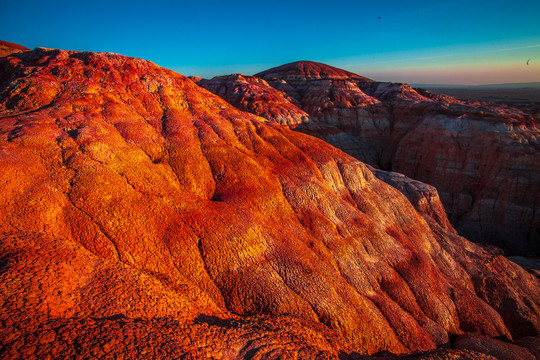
point(483, 159)
point(339, 112)
point(530, 264)
point(487, 173)
point(422, 196)
point(7, 48)
point(303, 70)
point(252, 94)
point(144, 216)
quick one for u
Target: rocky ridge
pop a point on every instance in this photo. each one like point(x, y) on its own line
point(144, 216)
point(483, 159)
point(7, 48)
point(252, 94)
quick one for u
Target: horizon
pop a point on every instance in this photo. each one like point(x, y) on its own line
point(420, 43)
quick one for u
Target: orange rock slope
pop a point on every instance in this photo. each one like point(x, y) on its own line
point(143, 216)
point(483, 159)
point(7, 48)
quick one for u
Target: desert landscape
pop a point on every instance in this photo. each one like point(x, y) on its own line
point(304, 212)
point(481, 156)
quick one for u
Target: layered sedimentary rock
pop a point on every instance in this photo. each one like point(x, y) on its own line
point(143, 216)
point(340, 112)
point(483, 159)
point(249, 93)
point(422, 196)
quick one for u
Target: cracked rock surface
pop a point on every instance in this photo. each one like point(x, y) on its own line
point(143, 216)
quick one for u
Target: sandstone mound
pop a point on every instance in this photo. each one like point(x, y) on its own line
point(303, 70)
point(143, 215)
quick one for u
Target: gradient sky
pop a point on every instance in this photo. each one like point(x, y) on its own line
point(455, 42)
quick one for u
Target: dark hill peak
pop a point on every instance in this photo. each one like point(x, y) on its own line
point(307, 70)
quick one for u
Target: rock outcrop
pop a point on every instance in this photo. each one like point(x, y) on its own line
point(143, 216)
point(422, 196)
point(252, 94)
point(7, 48)
point(483, 159)
point(340, 112)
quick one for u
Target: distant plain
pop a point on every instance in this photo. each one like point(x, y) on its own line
point(519, 93)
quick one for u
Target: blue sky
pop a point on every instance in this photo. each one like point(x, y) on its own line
point(415, 41)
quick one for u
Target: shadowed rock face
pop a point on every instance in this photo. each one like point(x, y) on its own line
point(483, 159)
point(143, 215)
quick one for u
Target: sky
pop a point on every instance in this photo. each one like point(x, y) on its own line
point(417, 42)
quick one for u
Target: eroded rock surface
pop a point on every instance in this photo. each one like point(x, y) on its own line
point(422, 196)
point(143, 215)
point(249, 93)
point(482, 158)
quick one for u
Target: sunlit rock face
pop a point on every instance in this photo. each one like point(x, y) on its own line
point(7, 48)
point(483, 159)
point(252, 94)
point(144, 216)
point(422, 196)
